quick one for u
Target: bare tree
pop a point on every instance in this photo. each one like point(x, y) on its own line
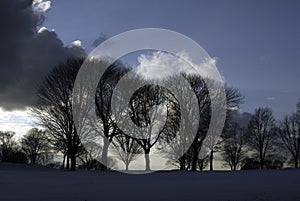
point(203, 163)
point(145, 108)
point(7, 144)
point(290, 136)
point(200, 88)
point(103, 105)
point(298, 112)
point(35, 146)
point(188, 147)
point(54, 109)
point(261, 135)
point(9, 149)
point(189, 159)
point(126, 149)
point(234, 99)
point(233, 146)
point(91, 87)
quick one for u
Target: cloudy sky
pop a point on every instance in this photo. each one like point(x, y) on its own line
point(256, 44)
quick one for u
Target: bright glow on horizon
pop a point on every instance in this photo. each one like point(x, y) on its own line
point(19, 121)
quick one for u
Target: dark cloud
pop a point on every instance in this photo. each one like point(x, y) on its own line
point(26, 54)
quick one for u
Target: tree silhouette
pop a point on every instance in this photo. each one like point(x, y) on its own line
point(54, 109)
point(146, 110)
point(7, 144)
point(35, 146)
point(290, 136)
point(9, 149)
point(104, 93)
point(126, 149)
point(233, 145)
point(261, 134)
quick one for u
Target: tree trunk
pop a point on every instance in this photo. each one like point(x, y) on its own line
point(188, 163)
point(73, 159)
point(73, 162)
point(201, 164)
point(261, 164)
point(296, 162)
point(182, 162)
point(63, 163)
point(68, 161)
point(147, 160)
point(127, 166)
point(194, 160)
point(261, 160)
point(234, 165)
point(33, 160)
point(104, 155)
point(211, 160)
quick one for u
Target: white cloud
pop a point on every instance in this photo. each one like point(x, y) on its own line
point(159, 65)
point(41, 5)
point(42, 29)
point(76, 43)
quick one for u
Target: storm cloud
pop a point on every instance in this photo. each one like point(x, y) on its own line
point(28, 51)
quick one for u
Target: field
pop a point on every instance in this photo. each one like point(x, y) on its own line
point(27, 183)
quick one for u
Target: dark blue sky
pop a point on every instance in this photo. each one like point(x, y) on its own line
point(257, 43)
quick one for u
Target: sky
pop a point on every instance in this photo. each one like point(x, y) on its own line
point(255, 43)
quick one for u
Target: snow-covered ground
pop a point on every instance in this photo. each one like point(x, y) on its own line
point(27, 183)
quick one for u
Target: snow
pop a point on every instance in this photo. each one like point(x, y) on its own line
point(27, 183)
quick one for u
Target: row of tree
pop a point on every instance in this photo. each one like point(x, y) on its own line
point(264, 142)
point(258, 143)
point(54, 111)
point(33, 148)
